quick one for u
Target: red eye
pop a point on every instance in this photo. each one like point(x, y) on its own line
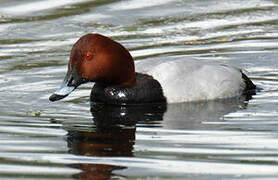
point(89, 56)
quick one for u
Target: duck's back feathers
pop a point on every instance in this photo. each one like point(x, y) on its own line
point(192, 80)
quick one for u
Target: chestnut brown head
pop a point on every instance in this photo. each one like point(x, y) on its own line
point(97, 58)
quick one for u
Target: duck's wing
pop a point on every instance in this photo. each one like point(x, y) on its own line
point(192, 80)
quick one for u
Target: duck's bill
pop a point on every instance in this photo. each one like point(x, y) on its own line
point(61, 93)
point(70, 83)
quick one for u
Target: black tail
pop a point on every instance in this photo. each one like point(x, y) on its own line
point(250, 88)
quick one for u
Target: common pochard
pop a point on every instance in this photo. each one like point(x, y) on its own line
point(99, 59)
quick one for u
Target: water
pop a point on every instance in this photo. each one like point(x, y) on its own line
point(231, 139)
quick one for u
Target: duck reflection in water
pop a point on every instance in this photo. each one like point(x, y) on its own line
point(113, 134)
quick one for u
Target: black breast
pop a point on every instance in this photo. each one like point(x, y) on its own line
point(146, 90)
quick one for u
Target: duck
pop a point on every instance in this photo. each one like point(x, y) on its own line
point(109, 65)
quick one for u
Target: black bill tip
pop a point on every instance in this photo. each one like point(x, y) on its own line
point(56, 97)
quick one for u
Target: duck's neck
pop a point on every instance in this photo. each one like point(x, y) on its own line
point(131, 81)
point(123, 81)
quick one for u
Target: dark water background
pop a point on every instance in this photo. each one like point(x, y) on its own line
point(231, 139)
